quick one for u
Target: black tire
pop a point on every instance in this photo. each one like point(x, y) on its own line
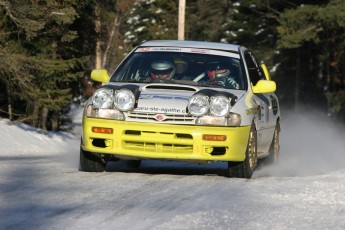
point(91, 162)
point(274, 148)
point(245, 169)
point(133, 164)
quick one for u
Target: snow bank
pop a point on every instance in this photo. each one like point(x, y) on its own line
point(24, 140)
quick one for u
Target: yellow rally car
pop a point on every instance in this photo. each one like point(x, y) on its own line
point(189, 101)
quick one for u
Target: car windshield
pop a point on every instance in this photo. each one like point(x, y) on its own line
point(182, 68)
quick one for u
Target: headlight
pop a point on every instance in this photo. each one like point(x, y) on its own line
point(124, 99)
point(102, 98)
point(198, 105)
point(219, 106)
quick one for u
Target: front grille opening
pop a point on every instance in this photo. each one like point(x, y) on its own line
point(218, 151)
point(165, 147)
point(98, 142)
point(166, 133)
point(133, 132)
point(148, 132)
point(141, 116)
point(183, 135)
point(140, 145)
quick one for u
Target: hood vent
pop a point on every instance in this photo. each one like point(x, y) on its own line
point(170, 87)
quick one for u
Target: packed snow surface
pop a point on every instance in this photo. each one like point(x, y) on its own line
point(42, 188)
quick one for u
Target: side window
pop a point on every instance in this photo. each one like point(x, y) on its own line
point(254, 70)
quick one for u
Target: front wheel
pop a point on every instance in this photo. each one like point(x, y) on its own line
point(245, 169)
point(91, 162)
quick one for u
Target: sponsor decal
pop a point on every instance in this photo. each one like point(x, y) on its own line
point(145, 49)
point(200, 51)
point(274, 105)
point(262, 110)
point(162, 104)
point(252, 111)
point(166, 49)
point(188, 50)
point(160, 110)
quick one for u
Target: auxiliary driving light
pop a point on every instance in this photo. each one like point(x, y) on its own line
point(102, 130)
point(210, 137)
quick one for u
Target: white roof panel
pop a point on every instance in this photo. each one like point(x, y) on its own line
point(191, 44)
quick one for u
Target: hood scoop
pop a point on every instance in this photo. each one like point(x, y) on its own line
point(169, 87)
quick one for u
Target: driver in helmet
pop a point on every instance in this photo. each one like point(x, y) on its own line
point(162, 70)
point(220, 74)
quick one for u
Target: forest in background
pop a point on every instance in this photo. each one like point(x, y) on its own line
point(48, 48)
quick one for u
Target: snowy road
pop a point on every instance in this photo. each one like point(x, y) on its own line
point(45, 190)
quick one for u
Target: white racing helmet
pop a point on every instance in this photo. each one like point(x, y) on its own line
point(163, 70)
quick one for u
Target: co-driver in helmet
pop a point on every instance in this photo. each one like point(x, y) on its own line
point(220, 74)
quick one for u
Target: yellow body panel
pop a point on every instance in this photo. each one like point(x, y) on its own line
point(137, 140)
point(264, 86)
point(100, 75)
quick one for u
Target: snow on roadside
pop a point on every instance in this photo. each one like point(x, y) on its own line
point(24, 140)
point(310, 144)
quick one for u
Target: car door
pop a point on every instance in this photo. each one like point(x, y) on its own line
point(263, 101)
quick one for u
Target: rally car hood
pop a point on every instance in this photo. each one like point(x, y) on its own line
point(172, 98)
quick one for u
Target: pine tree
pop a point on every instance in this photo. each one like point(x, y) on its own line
point(44, 38)
point(323, 28)
point(152, 20)
point(205, 20)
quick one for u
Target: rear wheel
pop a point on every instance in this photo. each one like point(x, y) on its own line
point(274, 148)
point(91, 162)
point(246, 168)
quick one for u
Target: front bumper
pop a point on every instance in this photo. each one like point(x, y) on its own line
point(137, 140)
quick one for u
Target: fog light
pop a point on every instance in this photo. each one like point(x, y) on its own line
point(211, 120)
point(102, 130)
point(210, 137)
point(234, 120)
point(104, 113)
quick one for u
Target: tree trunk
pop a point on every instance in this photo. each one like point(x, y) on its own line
point(44, 117)
point(35, 112)
point(98, 63)
point(9, 101)
point(55, 121)
point(111, 36)
point(297, 81)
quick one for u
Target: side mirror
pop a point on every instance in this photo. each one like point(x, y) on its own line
point(264, 86)
point(267, 74)
point(100, 75)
